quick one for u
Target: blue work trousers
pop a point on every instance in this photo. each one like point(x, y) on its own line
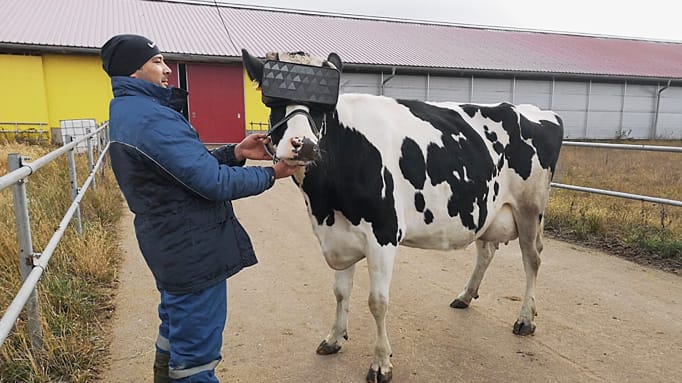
point(191, 331)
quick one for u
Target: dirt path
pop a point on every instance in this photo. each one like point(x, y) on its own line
point(601, 319)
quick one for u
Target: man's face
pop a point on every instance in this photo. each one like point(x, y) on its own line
point(155, 71)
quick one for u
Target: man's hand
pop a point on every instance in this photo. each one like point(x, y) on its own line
point(252, 148)
point(282, 169)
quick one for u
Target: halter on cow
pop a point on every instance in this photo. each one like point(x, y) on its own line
point(383, 172)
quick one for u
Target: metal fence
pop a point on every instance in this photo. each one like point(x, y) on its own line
point(37, 130)
point(33, 264)
point(257, 127)
point(638, 197)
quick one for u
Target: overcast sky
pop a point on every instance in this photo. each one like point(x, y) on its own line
point(650, 19)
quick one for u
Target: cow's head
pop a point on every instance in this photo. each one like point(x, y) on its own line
point(299, 89)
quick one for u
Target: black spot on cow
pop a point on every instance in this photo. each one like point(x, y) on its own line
point(413, 166)
point(518, 153)
point(412, 163)
point(428, 216)
point(545, 135)
point(350, 178)
point(419, 202)
point(489, 134)
point(463, 163)
point(492, 137)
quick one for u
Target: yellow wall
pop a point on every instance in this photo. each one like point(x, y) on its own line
point(76, 88)
point(22, 98)
point(50, 88)
point(254, 109)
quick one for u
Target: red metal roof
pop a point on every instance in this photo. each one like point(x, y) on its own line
point(196, 29)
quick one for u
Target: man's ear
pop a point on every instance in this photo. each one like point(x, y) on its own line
point(254, 67)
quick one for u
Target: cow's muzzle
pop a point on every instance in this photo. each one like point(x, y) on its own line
point(306, 149)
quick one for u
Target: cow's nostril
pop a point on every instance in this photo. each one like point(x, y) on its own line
point(308, 149)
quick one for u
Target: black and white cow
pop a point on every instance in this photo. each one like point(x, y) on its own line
point(432, 175)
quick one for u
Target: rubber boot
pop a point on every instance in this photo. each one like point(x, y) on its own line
point(161, 367)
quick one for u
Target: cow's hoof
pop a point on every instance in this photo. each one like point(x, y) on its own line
point(459, 304)
point(327, 349)
point(523, 329)
point(378, 377)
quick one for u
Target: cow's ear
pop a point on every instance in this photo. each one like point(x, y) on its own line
point(336, 60)
point(254, 67)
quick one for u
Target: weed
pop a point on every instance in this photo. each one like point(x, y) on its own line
point(75, 292)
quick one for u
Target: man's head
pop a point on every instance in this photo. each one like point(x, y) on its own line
point(134, 56)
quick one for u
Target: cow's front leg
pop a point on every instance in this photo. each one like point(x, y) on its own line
point(343, 285)
point(484, 255)
point(380, 264)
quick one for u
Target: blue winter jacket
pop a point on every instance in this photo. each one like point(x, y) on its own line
point(179, 191)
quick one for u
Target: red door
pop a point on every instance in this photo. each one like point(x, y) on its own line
point(216, 102)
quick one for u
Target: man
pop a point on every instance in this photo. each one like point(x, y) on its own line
point(180, 193)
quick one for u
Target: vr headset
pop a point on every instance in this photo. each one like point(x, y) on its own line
point(285, 82)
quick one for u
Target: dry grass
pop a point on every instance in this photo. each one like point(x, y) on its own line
point(645, 232)
point(75, 292)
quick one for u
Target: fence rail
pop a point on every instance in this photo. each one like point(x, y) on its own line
point(33, 264)
point(651, 148)
point(638, 197)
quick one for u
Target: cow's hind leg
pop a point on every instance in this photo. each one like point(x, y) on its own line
point(380, 264)
point(343, 285)
point(530, 242)
point(484, 255)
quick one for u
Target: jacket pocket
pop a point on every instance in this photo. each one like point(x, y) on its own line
point(206, 225)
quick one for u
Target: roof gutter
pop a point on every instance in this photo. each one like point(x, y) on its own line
point(658, 107)
point(39, 49)
point(387, 79)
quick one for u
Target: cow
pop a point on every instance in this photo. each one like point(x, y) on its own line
point(382, 172)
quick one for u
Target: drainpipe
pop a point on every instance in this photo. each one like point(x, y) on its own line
point(658, 106)
point(387, 79)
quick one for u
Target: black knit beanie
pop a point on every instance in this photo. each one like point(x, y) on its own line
point(122, 55)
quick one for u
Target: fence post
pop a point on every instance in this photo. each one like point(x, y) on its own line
point(91, 160)
point(74, 182)
point(23, 223)
point(105, 141)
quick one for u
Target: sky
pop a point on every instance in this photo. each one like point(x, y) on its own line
point(651, 19)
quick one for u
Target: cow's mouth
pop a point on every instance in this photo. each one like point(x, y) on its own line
point(305, 149)
point(301, 151)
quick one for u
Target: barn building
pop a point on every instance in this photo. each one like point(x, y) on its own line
point(603, 87)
